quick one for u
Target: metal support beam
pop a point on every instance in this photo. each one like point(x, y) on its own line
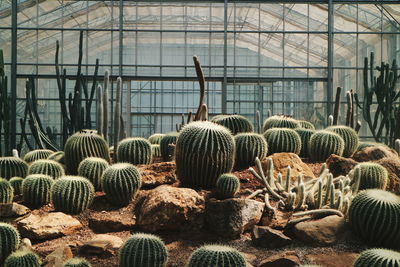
point(225, 80)
point(14, 21)
point(329, 93)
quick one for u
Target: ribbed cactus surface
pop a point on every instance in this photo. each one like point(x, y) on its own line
point(134, 150)
point(77, 262)
point(155, 139)
point(282, 140)
point(92, 168)
point(6, 191)
point(22, 258)
point(37, 154)
point(306, 125)
point(9, 240)
point(235, 123)
point(305, 136)
point(216, 255)
point(12, 166)
point(36, 190)
point(58, 156)
point(372, 175)
point(378, 257)
point(280, 121)
point(16, 183)
point(350, 138)
point(156, 150)
point(49, 167)
point(203, 152)
point(248, 147)
point(166, 141)
point(323, 144)
point(227, 186)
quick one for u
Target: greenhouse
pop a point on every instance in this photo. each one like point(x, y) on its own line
point(211, 133)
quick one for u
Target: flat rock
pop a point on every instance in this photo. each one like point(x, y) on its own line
point(47, 225)
point(338, 165)
point(101, 244)
point(374, 153)
point(157, 174)
point(266, 237)
point(231, 217)
point(392, 165)
point(114, 222)
point(334, 259)
point(285, 259)
point(57, 257)
point(12, 210)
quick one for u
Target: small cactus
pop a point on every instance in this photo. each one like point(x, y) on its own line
point(72, 194)
point(11, 166)
point(350, 138)
point(155, 139)
point(155, 150)
point(121, 182)
point(37, 154)
point(49, 167)
point(92, 168)
point(9, 240)
point(373, 175)
point(16, 183)
point(282, 140)
point(22, 258)
point(280, 121)
point(249, 146)
point(77, 262)
point(378, 257)
point(305, 135)
point(306, 125)
point(216, 255)
point(58, 156)
point(323, 144)
point(227, 186)
point(36, 189)
point(235, 123)
point(362, 145)
point(143, 250)
point(166, 141)
point(6, 191)
point(134, 150)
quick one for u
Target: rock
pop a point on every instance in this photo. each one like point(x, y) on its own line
point(231, 217)
point(283, 160)
point(285, 259)
point(374, 153)
point(333, 259)
point(114, 222)
point(47, 225)
point(338, 165)
point(158, 174)
point(57, 257)
point(323, 232)
point(266, 237)
point(13, 210)
point(392, 166)
point(101, 244)
point(277, 220)
point(170, 208)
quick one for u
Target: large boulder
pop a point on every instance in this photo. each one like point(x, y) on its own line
point(374, 153)
point(338, 165)
point(266, 237)
point(283, 160)
point(392, 166)
point(158, 174)
point(170, 208)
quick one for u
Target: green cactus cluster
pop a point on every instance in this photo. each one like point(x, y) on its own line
point(134, 150)
point(203, 152)
point(323, 144)
point(16, 183)
point(155, 139)
point(9, 240)
point(373, 175)
point(36, 190)
point(58, 156)
point(155, 150)
point(280, 121)
point(305, 136)
point(6, 191)
point(374, 217)
point(235, 123)
point(81, 145)
point(227, 186)
point(306, 125)
point(378, 257)
point(92, 168)
point(166, 141)
point(282, 140)
point(77, 262)
point(121, 182)
point(22, 258)
point(37, 154)
point(362, 145)
point(248, 147)
point(12, 166)
point(216, 255)
point(350, 138)
point(49, 167)
point(72, 194)
point(143, 250)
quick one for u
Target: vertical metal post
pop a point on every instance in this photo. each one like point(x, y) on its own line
point(13, 138)
point(329, 93)
point(225, 80)
point(121, 36)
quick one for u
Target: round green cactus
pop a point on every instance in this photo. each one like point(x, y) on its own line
point(203, 152)
point(37, 154)
point(143, 250)
point(6, 191)
point(282, 140)
point(323, 144)
point(378, 257)
point(134, 150)
point(12, 166)
point(248, 147)
point(362, 145)
point(155, 139)
point(372, 175)
point(22, 258)
point(92, 168)
point(216, 255)
point(166, 141)
point(156, 150)
point(16, 183)
point(77, 262)
point(280, 121)
point(350, 138)
point(305, 136)
point(235, 123)
point(306, 125)
point(227, 186)
point(374, 217)
point(72, 194)
point(9, 240)
point(49, 167)
point(36, 189)
point(121, 182)
point(58, 156)
point(81, 145)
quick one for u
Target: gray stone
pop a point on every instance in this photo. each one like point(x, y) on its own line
point(266, 237)
point(12, 210)
point(58, 257)
point(285, 259)
point(101, 244)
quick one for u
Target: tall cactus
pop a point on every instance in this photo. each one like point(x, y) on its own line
point(99, 110)
point(105, 103)
point(5, 110)
point(117, 112)
point(216, 255)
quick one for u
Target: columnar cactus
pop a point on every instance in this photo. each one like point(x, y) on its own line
point(58, 156)
point(49, 167)
point(280, 121)
point(166, 141)
point(235, 123)
point(203, 152)
point(12, 166)
point(82, 145)
point(92, 168)
point(248, 147)
point(282, 140)
point(350, 138)
point(22, 258)
point(72, 194)
point(155, 139)
point(77, 262)
point(37, 154)
point(16, 183)
point(9, 240)
point(378, 257)
point(323, 144)
point(374, 217)
point(156, 150)
point(306, 125)
point(36, 189)
point(305, 135)
point(227, 186)
point(134, 150)
point(6, 191)
point(143, 250)
point(216, 255)
point(373, 175)
point(121, 182)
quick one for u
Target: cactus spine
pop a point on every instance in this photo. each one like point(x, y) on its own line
point(248, 147)
point(77, 262)
point(306, 125)
point(282, 140)
point(134, 150)
point(378, 257)
point(155, 138)
point(216, 255)
point(9, 239)
point(350, 138)
point(373, 175)
point(92, 168)
point(235, 123)
point(48, 167)
point(165, 143)
point(36, 189)
point(16, 183)
point(323, 144)
point(37, 154)
point(6, 192)
point(280, 121)
point(227, 186)
point(23, 258)
point(305, 135)
point(11, 166)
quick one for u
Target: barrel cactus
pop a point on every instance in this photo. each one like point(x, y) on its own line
point(22, 258)
point(235, 123)
point(155, 150)
point(216, 255)
point(323, 144)
point(378, 257)
point(282, 140)
point(155, 139)
point(16, 183)
point(92, 168)
point(350, 138)
point(374, 217)
point(143, 250)
point(306, 125)
point(12, 166)
point(81, 145)
point(72, 194)
point(77, 262)
point(121, 182)
point(305, 136)
point(134, 150)
point(49, 167)
point(280, 121)
point(248, 147)
point(37, 154)
point(166, 141)
point(58, 156)
point(372, 175)
point(203, 152)
point(6, 191)
point(227, 186)
point(36, 189)
point(9, 239)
